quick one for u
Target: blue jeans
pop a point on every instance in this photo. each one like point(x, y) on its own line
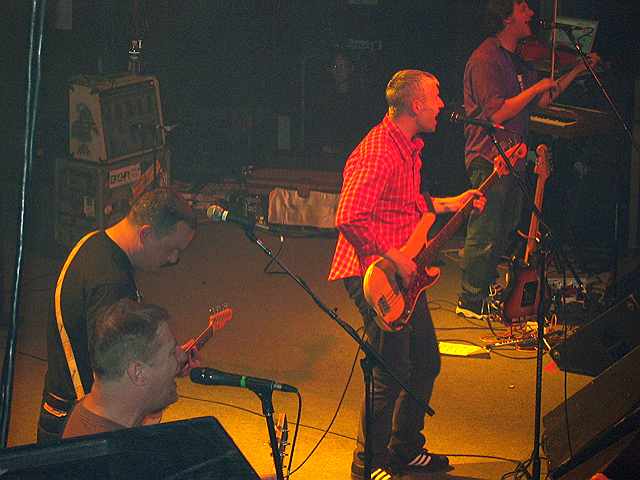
point(489, 233)
point(413, 354)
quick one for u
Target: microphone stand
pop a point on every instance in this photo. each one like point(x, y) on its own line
point(267, 409)
point(540, 314)
point(371, 357)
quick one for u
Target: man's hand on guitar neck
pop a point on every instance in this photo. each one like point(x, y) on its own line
point(406, 267)
point(190, 356)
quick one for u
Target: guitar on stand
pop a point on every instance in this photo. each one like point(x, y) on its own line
point(522, 295)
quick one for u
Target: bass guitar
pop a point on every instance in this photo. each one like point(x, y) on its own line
point(521, 297)
point(383, 289)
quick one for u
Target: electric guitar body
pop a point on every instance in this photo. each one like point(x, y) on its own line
point(384, 290)
point(522, 295)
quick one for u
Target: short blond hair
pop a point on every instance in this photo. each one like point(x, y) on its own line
point(403, 88)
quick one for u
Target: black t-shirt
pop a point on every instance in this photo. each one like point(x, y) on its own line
point(94, 275)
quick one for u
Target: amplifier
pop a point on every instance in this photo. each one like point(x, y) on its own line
point(114, 117)
point(596, 424)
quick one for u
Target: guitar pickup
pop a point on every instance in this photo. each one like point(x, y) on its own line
point(384, 306)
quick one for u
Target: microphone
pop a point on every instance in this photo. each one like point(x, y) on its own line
point(547, 25)
point(211, 376)
point(221, 214)
point(460, 117)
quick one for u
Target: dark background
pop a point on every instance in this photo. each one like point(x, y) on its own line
point(229, 69)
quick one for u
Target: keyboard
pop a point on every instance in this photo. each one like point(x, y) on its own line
point(568, 121)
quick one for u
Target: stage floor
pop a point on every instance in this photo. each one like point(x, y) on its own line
point(484, 404)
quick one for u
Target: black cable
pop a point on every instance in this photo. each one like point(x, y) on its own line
point(295, 434)
point(216, 402)
point(335, 415)
point(325, 431)
point(272, 261)
point(450, 329)
point(512, 358)
point(35, 357)
point(565, 390)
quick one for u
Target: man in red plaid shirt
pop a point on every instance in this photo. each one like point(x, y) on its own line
point(380, 205)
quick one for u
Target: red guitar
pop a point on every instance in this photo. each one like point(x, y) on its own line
point(383, 288)
point(219, 316)
point(522, 294)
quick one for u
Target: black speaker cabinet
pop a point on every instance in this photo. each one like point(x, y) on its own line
point(601, 342)
point(603, 419)
point(188, 449)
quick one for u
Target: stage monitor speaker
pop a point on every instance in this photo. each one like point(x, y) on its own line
point(188, 449)
point(114, 117)
point(601, 342)
point(603, 419)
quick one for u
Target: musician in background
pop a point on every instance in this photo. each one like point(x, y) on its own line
point(501, 87)
point(380, 206)
point(341, 111)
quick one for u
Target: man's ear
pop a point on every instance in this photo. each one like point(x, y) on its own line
point(416, 106)
point(137, 373)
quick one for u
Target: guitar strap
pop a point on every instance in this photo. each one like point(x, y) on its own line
point(427, 198)
point(64, 336)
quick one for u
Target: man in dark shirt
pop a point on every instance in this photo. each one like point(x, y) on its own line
point(501, 87)
point(99, 271)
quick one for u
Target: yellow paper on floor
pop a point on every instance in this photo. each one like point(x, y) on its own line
point(461, 349)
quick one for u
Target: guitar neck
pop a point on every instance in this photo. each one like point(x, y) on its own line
point(203, 338)
point(428, 254)
point(533, 225)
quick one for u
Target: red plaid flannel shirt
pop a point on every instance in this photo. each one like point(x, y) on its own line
point(380, 203)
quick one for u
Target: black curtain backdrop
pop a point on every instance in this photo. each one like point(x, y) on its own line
point(227, 69)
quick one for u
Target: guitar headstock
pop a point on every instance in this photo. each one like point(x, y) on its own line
point(515, 153)
point(219, 316)
point(543, 162)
